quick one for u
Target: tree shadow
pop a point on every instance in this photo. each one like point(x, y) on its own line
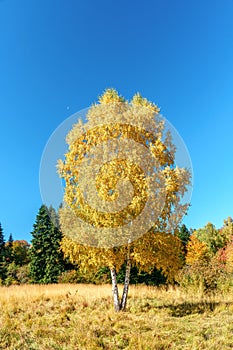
point(186, 308)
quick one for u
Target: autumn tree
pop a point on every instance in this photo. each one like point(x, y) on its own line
point(20, 251)
point(226, 232)
point(210, 235)
point(123, 191)
point(205, 268)
point(197, 251)
point(46, 258)
point(16, 261)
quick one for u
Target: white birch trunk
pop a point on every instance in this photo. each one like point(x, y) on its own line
point(127, 279)
point(115, 290)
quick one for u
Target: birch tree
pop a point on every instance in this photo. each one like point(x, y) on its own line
point(123, 191)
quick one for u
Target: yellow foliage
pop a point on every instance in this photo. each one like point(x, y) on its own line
point(142, 101)
point(92, 257)
point(120, 122)
point(110, 96)
point(196, 251)
point(158, 249)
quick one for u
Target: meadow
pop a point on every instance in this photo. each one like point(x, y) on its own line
point(81, 317)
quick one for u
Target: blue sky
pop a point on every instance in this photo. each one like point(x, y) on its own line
point(57, 56)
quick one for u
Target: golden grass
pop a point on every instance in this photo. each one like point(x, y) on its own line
point(70, 317)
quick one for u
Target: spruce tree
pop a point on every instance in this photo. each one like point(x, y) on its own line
point(2, 255)
point(8, 249)
point(53, 216)
point(2, 240)
point(10, 240)
point(184, 235)
point(46, 258)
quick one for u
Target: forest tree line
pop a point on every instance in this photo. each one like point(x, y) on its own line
point(205, 258)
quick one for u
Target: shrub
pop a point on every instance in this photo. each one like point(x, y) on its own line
point(203, 276)
point(69, 277)
point(23, 274)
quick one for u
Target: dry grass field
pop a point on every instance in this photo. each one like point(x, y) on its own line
point(81, 317)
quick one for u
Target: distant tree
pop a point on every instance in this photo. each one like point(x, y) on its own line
point(2, 240)
point(23, 274)
point(225, 255)
point(2, 254)
point(10, 240)
point(197, 251)
point(184, 235)
point(20, 252)
point(46, 258)
point(211, 236)
point(227, 230)
point(8, 250)
point(11, 274)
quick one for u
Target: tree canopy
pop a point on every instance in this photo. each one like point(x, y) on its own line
point(104, 235)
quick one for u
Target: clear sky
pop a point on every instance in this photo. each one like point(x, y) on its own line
point(57, 56)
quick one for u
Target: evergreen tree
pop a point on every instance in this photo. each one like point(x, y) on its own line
point(210, 235)
point(8, 249)
point(46, 258)
point(2, 241)
point(184, 235)
point(10, 240)
point(2, 254)
point(53, 216)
